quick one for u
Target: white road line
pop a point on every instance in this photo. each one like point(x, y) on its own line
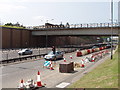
point(62, 85)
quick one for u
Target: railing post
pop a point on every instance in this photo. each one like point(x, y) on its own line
point(108, 24)
point(100, 24)
point(97, 24)
point(104, 24)
point(75, 26)
point(81, 25)
point(87, 25)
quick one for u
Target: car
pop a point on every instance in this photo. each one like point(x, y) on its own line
point(25, 52)
point(51, 56)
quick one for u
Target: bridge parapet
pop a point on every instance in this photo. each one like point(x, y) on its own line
point(83, 25)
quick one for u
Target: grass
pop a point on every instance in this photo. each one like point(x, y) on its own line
point(12, 27)
point(103, 76)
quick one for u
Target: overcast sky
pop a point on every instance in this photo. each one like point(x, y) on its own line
point(37, 12)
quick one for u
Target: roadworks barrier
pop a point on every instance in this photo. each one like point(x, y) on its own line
point(92, 58)
point(88, 51)
point(49, 65)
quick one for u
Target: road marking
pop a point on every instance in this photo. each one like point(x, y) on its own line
point(62, 85)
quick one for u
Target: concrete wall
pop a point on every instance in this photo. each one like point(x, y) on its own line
point(15, 38)
point(6, 38)
point(70, 40)
point(21, 38)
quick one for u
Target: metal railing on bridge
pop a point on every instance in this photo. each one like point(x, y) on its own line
point(84, 25)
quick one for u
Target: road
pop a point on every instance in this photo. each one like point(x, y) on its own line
point(10, 54)
point(12, 74)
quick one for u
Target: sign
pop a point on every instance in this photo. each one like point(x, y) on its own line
point(46, 63)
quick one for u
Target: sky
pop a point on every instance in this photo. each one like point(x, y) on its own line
point(38, 12)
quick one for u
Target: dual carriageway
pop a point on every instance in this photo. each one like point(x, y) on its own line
point(15, 67)
point(28, 70)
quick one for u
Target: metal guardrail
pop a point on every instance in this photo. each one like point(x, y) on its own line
point(83, 25)
point(35, 56)
point(28, 57)
point(20, 59)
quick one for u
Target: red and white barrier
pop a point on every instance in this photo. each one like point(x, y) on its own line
point(88, 51)
point(79, 53)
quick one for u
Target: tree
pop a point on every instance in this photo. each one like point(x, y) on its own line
point(9, 24)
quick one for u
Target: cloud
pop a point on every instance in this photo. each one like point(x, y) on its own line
point(9, 8)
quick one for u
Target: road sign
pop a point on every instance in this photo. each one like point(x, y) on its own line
point(46, 63)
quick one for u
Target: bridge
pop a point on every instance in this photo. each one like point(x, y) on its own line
point(79, 29)
point(56, 35)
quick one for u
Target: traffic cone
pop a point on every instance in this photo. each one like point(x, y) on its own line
point(93, 59)
point(64, 60)
point(70, 57)
point(82, 61)
point(35, 85)
point(38, 80)
point(21, 84)
point(51, 67)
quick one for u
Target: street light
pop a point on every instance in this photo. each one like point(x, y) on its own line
point(116, 22)
point(111, 29)
point(49, 20)
point(47, 36)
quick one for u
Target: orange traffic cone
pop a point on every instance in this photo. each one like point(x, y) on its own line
point(93, 59)
point(64, 60)
point(39, 80)
point(21, 84)
point(51, 67)
point(35, 85)
point(70, 57)
point(82, 61)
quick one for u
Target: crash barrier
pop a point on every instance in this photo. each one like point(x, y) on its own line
point(93, 58)
point(29, 57)
point(88, 51)
point(31, 84)
point(21, 59)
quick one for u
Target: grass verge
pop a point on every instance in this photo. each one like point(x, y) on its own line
point(103, 76)
point(12, 27)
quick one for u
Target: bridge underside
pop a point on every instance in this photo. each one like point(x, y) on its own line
point(63, 40)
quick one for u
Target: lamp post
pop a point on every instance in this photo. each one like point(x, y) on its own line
point(47, 35)
point(111, 29)
point(46, 40)
point(49, 20)
point(116, 22)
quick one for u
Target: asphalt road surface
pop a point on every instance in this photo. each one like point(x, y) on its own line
point(10, 54)
point(12, 74)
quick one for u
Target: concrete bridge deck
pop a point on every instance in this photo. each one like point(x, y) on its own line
point(77, 31)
